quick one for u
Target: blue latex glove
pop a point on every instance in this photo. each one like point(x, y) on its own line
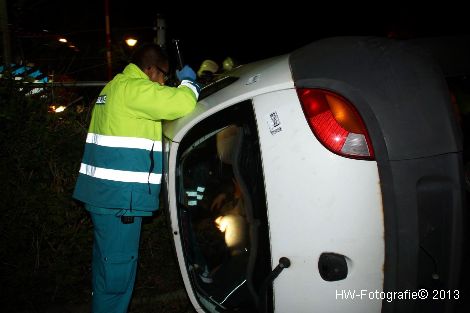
point(186, 73)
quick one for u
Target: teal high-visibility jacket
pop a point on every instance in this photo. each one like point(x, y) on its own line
point(122, 161)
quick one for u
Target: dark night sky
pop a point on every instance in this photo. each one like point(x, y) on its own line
point(233, 29)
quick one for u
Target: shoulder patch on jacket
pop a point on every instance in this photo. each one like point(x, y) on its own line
point(101, 99)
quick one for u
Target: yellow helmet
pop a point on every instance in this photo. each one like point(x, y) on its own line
point(227, 64)
point(207, 66)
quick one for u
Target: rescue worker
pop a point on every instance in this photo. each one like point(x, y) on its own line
point(120, 174)
point(207, 72)
point(228, 64)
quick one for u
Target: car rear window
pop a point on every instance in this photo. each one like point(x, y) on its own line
point(216, 86)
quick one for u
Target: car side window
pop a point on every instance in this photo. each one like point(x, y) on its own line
point(222, 211)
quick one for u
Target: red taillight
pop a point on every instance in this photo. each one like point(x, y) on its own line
point(336, 123)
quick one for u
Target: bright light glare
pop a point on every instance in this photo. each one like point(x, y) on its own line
point(58, 109)
point(131, 42)
point(62, 39)
point(234, 228)
point(221, 224)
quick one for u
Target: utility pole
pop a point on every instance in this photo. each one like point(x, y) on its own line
point(5, 33)
point(160, 39)
point(108, 40)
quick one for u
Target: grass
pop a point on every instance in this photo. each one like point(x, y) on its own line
point(46, 236)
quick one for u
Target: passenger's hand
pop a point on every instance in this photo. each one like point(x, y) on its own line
point(218, 201)
point(186, 73)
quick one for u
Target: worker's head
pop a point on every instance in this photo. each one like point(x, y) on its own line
point(153, 62)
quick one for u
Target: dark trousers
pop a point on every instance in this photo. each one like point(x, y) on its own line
point(114, 266)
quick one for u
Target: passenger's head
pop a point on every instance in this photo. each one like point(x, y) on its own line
point(153, 62)
point(226, 143)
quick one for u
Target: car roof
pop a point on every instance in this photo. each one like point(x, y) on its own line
point(253, 79)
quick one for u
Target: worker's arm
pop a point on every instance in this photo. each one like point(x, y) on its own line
point(152, 101)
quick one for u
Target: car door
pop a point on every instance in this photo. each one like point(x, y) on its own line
point(325, 214)
point(221, 213)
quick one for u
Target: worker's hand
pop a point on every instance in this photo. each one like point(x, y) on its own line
point(186, 73)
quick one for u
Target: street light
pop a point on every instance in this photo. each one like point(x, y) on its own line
point(131, 41)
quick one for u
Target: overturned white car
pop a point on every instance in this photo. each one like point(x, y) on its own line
point(326, 180)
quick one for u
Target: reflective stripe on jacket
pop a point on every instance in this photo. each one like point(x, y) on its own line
point(122, 160)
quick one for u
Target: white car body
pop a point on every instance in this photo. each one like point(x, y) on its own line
point(317, 202)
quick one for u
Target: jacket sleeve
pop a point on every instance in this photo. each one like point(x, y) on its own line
point(149, 100)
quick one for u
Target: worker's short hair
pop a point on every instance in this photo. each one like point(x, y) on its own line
point(148, 55)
